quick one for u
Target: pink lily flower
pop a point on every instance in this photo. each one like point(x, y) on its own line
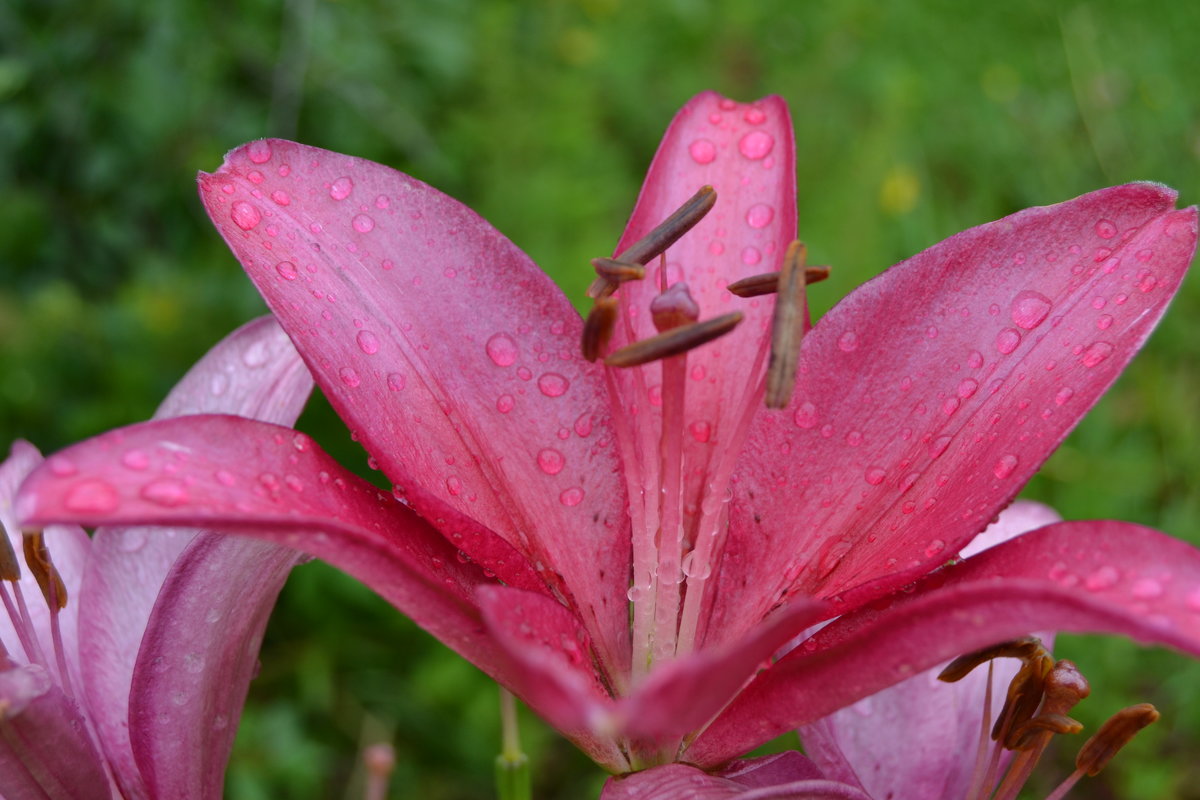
point(135, 687)
point(629, 548)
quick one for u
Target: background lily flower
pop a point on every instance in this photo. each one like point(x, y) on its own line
point(139, 691)
point(535, 494)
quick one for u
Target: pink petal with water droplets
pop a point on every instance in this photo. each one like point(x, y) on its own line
point(254, 372)
point(250, 478)
point(46, 751)
point(929, 396)
point(783, 776)
point(418, 320)
point(680, 696)
point(746, 153)
point(1072, 576)
point(550, 657)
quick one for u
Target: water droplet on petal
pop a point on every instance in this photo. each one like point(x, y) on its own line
point(552, 384)
point(693, 570)
point(1005, 466)
point(367, 342)
point(396, 381)
point(755, 116)
point(1106, 229)
point(505, 403)
point(967, 387)
point(702, 151)
point(502, 350)
point(975, 359)
point(341, 188)
point(245, 215)
point(1029, 309)
point(259, 151)
point(281, 197)
point(756, 145)
point(571, 497)
point(454, 485)
point(751, 256)
point(1007, 340)
point(92, 497)
point(934, 547)
point(136, 460)
point(363, 223)
point(1104, 577)
point(551, 461)
point(1146, 589)
point(848, 342)
point(349, 377)
point(166, 492)
point(286, 270)
point(806, 416)
point(1064, 394)
point(875, 475)
point(1096, 353)
point(759, 215)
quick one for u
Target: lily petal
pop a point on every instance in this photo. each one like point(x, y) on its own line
point(783, 776)
point(125, 610)
point(449, 354)
point(251, 478)
point(911, 388)
point(45, 748)
point(1072, 576)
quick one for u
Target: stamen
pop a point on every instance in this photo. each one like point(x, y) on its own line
point(1025, 736)
point(658, 240)
point(37, 558)
point(1024, 696)
point(1024, 648)
point(598, 327)
point(768, 282)
point(614, 271)
point(1114, 734)
point(675, 341)
point(10, 568)
point(787, 328)
point(380, 760)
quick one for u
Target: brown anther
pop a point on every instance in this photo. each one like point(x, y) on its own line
point(615, 271)
point(1025, 735)
point(674, 341)
point(37, 558)
point(1114, 734)
point(1025, 694)
point(768, 282)
point(10, 568)
point(658, 240)
point(1064, 687)
point(787, 328)
point(1024, 648)
point(598, 327)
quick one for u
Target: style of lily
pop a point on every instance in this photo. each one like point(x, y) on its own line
point(125, 660)
point(630, 545)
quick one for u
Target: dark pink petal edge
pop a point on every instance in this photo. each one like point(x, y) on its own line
point(1073, 576)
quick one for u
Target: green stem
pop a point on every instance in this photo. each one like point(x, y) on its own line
point(512, 765)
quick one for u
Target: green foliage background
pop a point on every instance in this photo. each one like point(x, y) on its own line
point(913, 120)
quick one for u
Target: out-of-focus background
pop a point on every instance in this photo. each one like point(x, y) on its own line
point(913, 120)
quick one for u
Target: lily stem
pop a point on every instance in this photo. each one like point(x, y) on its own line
point(512, 765)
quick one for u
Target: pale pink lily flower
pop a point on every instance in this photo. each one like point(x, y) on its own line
point(135, 688)
point(627, 549)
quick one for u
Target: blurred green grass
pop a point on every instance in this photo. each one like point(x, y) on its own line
point(913, 120)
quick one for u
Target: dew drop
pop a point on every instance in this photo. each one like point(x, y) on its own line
point(92, 497)
point(1005, 466)
point(1104, 577)
point(281, 197)
point(551, 461)
point(934, 547)
point(61, 466)
point(1029, 309)
point(504, 403)
point(367, 342)
point(806, 415)
point(571, 497)
point(756, 145)
point(454, 485)
point(245, 215)
point(1104, 322)
point(363, 223)
point(501, 350)
point(259, 151)
point(341, 188)
point(938, 446)
point(166, 492)
point(1096, 353)
point(751, 256)
point(701, 431)
point(1007, 340)
point(136, 460)
point(875, 475)
point(131, 540)
point(1064, 394)
point(967, 387)
point(286, 270)
point(759, 215)
point(349, 377)
point(755, 116)
point(583, 425)
point(975, 359)
point(854, 438)
point(693, 570)
point(848, 342)
point(702, 151)
point(395, 381)
point(1106, 229)
point(1146, 589)
point(552, 384)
